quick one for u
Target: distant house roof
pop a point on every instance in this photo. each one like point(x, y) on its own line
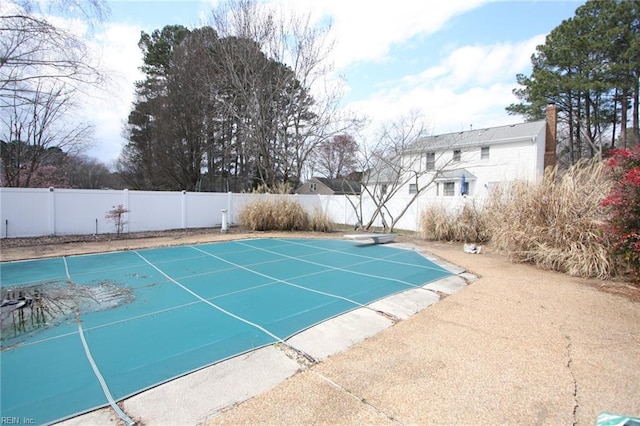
point(341, 185)
point(479, 137)
point(455, 175)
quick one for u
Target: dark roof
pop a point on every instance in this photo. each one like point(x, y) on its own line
point(341, 185)
point(479, 137)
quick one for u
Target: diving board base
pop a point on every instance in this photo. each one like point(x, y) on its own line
point(377, 238)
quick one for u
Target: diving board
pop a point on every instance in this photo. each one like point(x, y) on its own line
point(377, 238)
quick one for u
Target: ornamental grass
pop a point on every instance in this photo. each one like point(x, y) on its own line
point(282, 214)
point(469, 224)
point(556, 224)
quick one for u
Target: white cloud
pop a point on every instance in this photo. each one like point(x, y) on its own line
point(367, 30)
point(479, 64)
point(444, 110)
point(470, 87)
point(113, 50)
point(120, 57)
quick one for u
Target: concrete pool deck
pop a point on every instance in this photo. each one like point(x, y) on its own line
point(518, 346)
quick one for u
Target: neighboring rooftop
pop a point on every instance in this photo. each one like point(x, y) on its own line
point(480, 137)
point(341, 185)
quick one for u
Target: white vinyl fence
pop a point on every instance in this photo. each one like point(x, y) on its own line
point(33, 212)
point(342, 209)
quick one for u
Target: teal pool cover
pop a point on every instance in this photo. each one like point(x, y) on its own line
point(100, 328)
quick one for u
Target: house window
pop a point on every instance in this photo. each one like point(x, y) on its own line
point(313, 187)
point(456, 155)
point(484, 153)
point(413, 188)
point(430, 163)
point(449, 189)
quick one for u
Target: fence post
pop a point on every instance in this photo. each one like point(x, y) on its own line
point(183, 198)
point(125, 205)
point(229, 204)
point(52, 211)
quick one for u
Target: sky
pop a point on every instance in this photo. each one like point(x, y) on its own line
point(455, 61)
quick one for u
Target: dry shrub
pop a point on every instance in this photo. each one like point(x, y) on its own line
point(556, 224)
point(282, 214)
point(469, 224)
point(435, 224)
point(473, 224)
point(320, 222)
point(280, 188)
point(257, 216)
point(290, 215)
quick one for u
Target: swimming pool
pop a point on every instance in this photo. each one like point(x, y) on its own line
point(131, 320)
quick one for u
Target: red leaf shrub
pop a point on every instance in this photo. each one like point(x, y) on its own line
point(624, 205)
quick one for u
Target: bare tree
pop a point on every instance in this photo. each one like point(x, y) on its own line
point(307, 110)
point(337, 157)
point(33, 131)
point(42, 70)
point(236, 104)
point(393, 164)
point(33, 50)
point(88, 173)
point(87, 10)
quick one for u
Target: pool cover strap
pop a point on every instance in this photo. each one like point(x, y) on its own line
point(103, 384)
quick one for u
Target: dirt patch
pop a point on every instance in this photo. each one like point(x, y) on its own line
point(7, 243)
point(51, 246)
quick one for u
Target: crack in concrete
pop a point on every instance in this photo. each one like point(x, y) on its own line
point(394, 319)
point(306, 362)
point(302, 358)
point(357, 397)
point(575, 382)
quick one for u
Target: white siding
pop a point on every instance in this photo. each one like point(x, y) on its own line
point(539, 148)
point(516, 160)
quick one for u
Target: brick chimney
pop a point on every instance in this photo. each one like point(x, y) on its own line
point(550, 156)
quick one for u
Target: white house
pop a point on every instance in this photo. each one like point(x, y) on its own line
point(473, 161)
point(450, 169)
